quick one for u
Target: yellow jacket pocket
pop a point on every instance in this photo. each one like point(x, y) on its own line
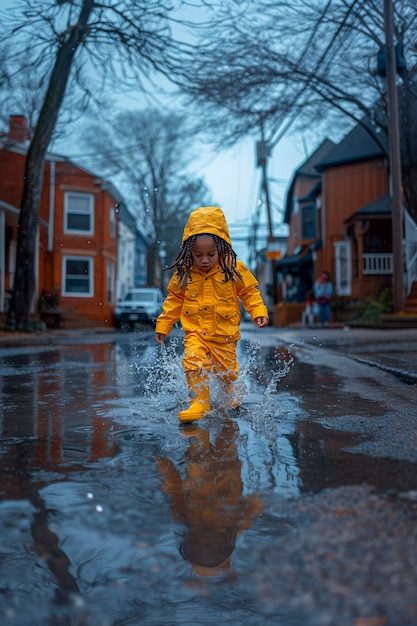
point(191, 316)
point(227, 321)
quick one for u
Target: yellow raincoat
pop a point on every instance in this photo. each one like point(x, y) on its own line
point(208, 307)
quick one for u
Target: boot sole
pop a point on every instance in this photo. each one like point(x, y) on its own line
point(190, 418)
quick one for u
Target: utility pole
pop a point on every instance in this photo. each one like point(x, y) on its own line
point(394, 160)
point(262, 157)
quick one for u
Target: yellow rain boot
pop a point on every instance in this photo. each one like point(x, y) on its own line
point(199, 398)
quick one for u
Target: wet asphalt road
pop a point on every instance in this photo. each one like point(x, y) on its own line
point(113, 515)
point(394, 351)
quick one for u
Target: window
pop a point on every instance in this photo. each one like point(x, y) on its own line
point(308, 221)
point(79, 213)
point(343, 268)
point(78, 276)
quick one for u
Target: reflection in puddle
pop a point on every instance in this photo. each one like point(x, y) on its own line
point(206, 497)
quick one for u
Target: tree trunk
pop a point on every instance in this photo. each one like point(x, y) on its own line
point(24, 280)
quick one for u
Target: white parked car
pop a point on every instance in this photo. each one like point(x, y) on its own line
point(142, 304)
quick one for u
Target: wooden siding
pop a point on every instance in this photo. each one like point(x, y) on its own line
point(345, 190)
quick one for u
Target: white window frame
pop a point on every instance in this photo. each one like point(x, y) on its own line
point(89, 212)
point(343, 266)
point(78, 294)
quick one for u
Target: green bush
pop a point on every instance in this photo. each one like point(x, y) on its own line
point(371, 309)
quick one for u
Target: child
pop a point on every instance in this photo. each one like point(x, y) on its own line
point(323, 291)
point(309, 311)
point(204, 294)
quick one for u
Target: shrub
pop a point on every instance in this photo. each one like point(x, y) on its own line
point(370, 309)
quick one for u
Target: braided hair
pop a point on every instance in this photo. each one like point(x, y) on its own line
point(184, 260)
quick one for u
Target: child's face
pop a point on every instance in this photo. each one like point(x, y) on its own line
point(204, 252)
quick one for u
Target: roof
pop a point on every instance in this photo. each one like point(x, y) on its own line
point(381, 207)
point(312, 194)
point(360, 144)
point(308, 167)
point(22, 149)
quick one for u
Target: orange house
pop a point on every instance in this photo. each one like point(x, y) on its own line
point(77, 234)
point(339, 213)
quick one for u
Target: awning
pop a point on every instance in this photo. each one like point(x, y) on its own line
point(303, 255)
point(377, 209)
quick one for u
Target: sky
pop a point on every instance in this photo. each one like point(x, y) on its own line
point(234, 179)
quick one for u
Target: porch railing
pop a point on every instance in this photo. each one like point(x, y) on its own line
point(377, 263)
point(410, 250)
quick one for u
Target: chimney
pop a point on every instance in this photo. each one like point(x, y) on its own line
point(18, 131)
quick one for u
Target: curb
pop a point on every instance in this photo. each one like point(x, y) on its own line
point(403, 375)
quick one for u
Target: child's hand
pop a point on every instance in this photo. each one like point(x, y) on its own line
point(160, 337)
point(261, 321)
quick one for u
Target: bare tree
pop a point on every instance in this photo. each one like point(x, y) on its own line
point(310, 66)
point(92, 44)
point(148, 152)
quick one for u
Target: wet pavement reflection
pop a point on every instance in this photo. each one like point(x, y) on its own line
point(113, 514)
point(207, 499)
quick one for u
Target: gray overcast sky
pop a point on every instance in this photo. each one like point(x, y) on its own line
point(232, 175)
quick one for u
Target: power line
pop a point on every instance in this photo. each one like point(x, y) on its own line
point(296, 98)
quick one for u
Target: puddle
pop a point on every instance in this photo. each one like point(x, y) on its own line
point(112, 513)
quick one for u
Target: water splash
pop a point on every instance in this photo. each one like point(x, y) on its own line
point(164, 378)
point(263, 378)
point(281, 370)
point(257, 386)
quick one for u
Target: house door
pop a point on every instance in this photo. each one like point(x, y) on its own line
point(343, 268)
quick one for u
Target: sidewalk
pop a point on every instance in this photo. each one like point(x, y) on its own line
point(56, 337)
